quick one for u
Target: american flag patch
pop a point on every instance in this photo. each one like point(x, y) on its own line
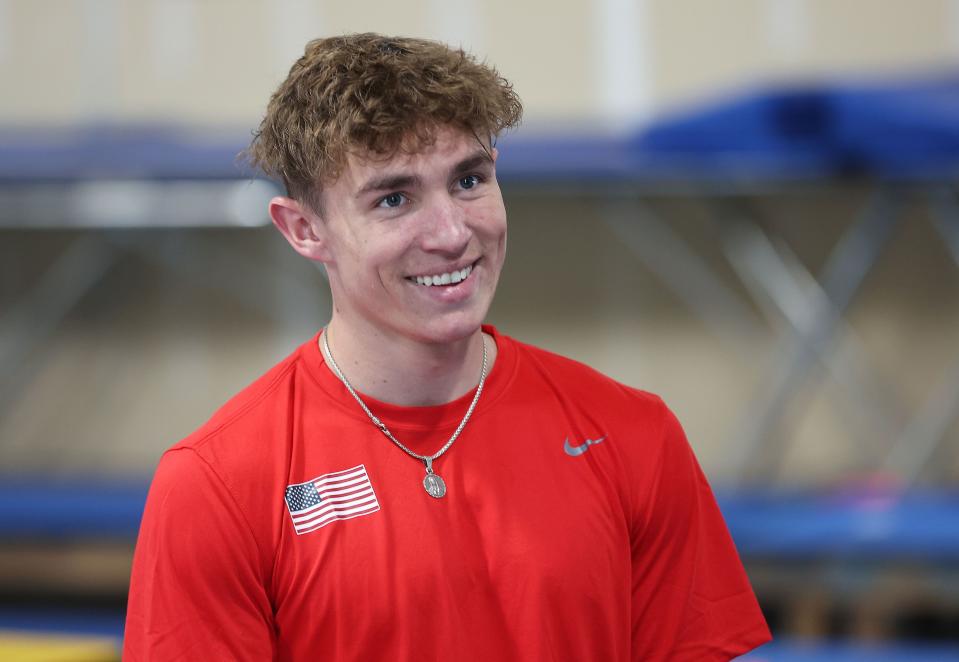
point(340, 495)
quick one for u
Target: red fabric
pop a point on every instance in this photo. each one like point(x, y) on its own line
point(619, 553)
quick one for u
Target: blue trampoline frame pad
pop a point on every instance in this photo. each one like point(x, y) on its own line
point(792, 650)
point(877, 525)
point(49, 508)
point(869, 524)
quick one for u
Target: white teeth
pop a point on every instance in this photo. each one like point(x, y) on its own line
point(448, 278)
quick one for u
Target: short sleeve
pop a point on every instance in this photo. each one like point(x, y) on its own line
point(196, 590)
point(691, 598)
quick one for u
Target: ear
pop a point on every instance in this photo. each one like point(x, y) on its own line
point(301, 226)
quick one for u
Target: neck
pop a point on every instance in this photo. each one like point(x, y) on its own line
point(404, 372)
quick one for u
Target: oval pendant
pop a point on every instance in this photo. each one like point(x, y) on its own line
point(434, 485)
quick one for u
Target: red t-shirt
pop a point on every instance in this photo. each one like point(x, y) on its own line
point(289, 528)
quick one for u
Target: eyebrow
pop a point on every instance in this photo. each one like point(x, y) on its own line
point(394, 182)
point(388, 183)
point(477, 159)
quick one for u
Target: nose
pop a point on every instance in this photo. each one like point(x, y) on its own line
point(447, 231)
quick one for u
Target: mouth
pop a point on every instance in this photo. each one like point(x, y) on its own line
point(446, 278)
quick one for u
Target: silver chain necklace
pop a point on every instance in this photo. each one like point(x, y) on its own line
point(433, 483)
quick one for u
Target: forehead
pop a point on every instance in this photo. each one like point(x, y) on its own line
point(446, 147)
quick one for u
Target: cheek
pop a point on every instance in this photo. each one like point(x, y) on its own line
point(500, 231)
point(492, 218)
point(385, 255)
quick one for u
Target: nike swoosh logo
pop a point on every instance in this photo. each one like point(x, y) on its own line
point(582, 448)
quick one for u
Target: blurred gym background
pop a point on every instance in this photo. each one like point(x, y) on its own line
point(748, 207)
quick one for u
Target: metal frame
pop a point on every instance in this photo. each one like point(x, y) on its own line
point(808, 311)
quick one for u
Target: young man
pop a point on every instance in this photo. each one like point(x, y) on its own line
point(409, 484)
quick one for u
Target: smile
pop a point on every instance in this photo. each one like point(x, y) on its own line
point(448, 278)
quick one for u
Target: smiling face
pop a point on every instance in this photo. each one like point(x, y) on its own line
point(414, 244)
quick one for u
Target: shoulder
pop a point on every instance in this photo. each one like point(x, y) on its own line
point(254, 423)
point(248, 407)
point(582, 383)
point(244, 449)
point(647, 433)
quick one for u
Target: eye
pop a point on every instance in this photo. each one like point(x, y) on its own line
point(470, 181)
point(392, 200)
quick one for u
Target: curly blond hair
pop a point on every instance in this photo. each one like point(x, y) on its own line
point(374, 95)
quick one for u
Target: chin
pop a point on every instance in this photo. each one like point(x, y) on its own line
point(445, 332)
